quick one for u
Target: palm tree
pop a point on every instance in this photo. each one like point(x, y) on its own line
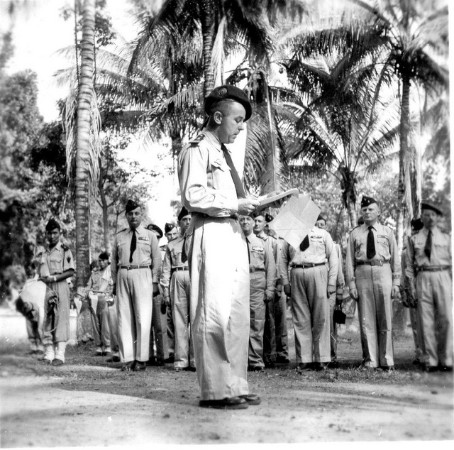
point(415, 41)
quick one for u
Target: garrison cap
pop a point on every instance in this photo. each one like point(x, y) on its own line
point(366, 201)
point(416, 224)
point(168, 227)
point(52, 225)
point(228, 92)
point(131, 205)
point(153, 227)
point(322, 217)
point(431, 207)
point(183, 213)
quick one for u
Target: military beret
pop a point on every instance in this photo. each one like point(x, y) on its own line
point(168, 227)
point(228, 92)
point(52, 225)
point(184, 212)
point(104, 256)
point(268, 217)
point(153, 227)
point(366, 201)
point(416, 224)
point(431, 208)
point(131, 205)
point(321, 217)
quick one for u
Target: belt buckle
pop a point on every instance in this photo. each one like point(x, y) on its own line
point(128, 267)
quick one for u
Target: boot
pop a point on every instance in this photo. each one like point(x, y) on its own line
point(59, 354)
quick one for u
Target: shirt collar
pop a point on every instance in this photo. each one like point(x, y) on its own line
point(212, 139)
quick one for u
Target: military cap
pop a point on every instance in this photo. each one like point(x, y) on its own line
point(416, 224)
point(184, 212)
point(153, 227)
point(168, 227)
point(52, 225)
point(321, 217)
point(268, 217)
point(104, 256)
point(228, 92)
point(131, 205)
point(431, 208)
point(366, 201)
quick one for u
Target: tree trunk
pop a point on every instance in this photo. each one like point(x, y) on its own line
point(82, 212)
point(404, 187)
point(351, 208)
point(207, 10)
point(105, 220)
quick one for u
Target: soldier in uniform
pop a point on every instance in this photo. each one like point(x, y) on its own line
point(212, 192)
point(429, 275)
point(56, 264)
point(269, 336)
point(312, 281)
point(136, 262)
point(176, 288)
point(170, 231)
point(262, 269)
point(373, 274)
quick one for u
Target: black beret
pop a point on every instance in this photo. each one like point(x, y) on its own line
point(228, 92)
point(366, 201)
point(416, 224)
point(153, 227)
point(104, 256)
point(268, 217)
point(52, 225)
point(431, 207)
point(184, 212)
point(131, 205)
point(169, 227)
point(321, 217)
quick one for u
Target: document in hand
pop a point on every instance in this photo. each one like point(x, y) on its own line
point(295, 219)
point(266, 200)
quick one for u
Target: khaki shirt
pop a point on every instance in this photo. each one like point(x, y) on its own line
point(273, 242)
point(385, 251)
point(205, 180)
point(172, 259)
point(440, 253)
point(100, 281)
point(261, 258)
point(321, 250)
point(146, 253)
point(55, 261)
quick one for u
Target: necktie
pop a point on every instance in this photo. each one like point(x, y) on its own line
point(133, 245)
point(184, 256)
point(428, 245)
point(304, 244)
point(370, 244)
point(236, 178)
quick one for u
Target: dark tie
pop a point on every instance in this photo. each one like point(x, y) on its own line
point(428, 246)
point(133, 245)
point(236, 178)
point(304, 244)
point(184, 257)
point(370, 244)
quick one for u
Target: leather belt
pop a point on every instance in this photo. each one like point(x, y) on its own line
point(306, 265)
point(432, 268)
point(371, 263)
point(135, 266)
point(174, 269)
point(253, 269)
point(198, 214)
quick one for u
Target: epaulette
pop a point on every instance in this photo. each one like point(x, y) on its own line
point(197, 140)
point(124, 229)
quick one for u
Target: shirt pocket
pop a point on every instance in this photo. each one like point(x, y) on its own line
point(176, 256)
point(55, 263)
point(383, 246)
point(219, 172)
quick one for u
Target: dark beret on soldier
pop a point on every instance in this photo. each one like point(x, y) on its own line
point(227, 92)
point(154, 227)
point(131, 205)
point(52, 225)
point(183, 213)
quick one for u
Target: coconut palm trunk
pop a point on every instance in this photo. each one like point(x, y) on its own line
point(207, 10)
point(82, 180)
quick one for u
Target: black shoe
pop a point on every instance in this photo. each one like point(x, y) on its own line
point(126, 367)
point(189, 369)
point(304, 366)
point(318, 366)
point(139, 366)
point(269, 364)
point(282, 360)
point(387, 368)
point(57, 362)
point(252, 399)
point(430, 369)
point(225, 403)
point(445, 368)
point(416, 362)
point(170, 359)
point(114, 358)
point(255, 368)
point(333, 365)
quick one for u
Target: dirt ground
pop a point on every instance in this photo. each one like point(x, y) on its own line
point(88, 402)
